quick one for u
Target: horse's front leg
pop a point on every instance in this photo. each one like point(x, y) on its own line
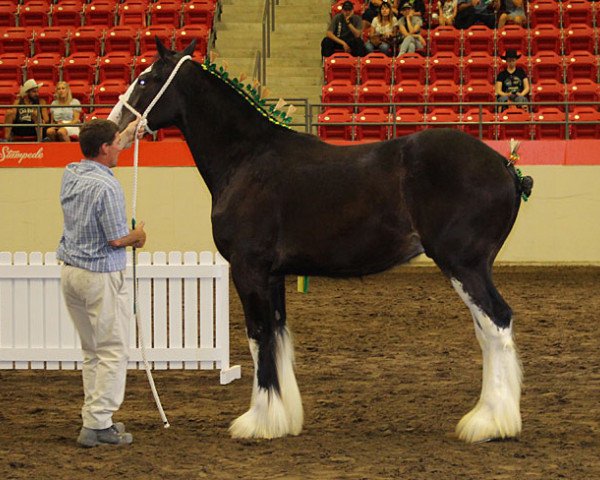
point(276, 406)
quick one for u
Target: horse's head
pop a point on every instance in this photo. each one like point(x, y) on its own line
point(147, 86)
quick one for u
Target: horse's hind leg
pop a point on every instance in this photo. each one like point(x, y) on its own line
point(497, 413)
point(276, 406)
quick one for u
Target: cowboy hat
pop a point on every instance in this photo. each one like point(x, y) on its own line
point(511, 53)
point(29, 85)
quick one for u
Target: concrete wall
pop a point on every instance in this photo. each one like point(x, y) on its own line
point(559, 224)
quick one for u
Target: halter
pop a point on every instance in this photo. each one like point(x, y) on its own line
point(143, 124)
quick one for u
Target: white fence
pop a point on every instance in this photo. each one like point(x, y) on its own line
point(183, 304)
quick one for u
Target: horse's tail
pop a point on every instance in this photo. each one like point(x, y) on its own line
point(524, 182)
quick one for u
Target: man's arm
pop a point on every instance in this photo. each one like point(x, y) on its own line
point(356, 31)
point(526, 87)
point(135, 238)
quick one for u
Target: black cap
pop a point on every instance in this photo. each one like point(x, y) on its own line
point(348, 5)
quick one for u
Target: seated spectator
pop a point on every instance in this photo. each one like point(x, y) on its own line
point(27, 111)
point(417, 5)
point(383, 30)
point(512, 11)
point(410, 30)
point(344, 33)
point(447, 12)
point(67, 113)
point(470, 12)
point(370, 13)
point(512, 84)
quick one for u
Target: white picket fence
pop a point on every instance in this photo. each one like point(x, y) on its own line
point(183, 304)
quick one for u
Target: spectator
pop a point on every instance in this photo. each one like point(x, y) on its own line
point(471, 12)
point(68, 112)
point(370, 13)
point(417, 5)
point(344, 33)
point(28, 110)
point(383, 30)
point(410, 28)
point(512, 84)
point(512, 11)
point(447, 12)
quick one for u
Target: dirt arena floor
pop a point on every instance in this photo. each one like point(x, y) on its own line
point(387, 365)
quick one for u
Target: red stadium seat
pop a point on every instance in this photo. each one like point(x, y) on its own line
point(478, 38)
point(410, 66)
point(581, 65)
point(52, 40)
point(407, 92)
point(165, 12)
point(16, 40)
point(100, 112)
point(445, 39)
point(477, 122)
point(148, 34)
point(444, 66)
point(100, 12)
point(142, 62)
point(579, 38)
point(34, 14)
point(169, 134)
point(67, 13)
point(11, 67)
point(545, 38)
point(549, 91)
point(121, 38)
point(374, 91)
point(47, 90)
point(8, 14)
point(339, 91)
point(379, 131)
point(82, 91)
point(547, 66)
point(577, 12)
point(445, 91)
point(44, 67)
point(335, 132)
point(579, 127)
point(479, 66)
point(341, 66)
point(512, 36)
point(115, 66)
point(87, 39)
point(9, 91)
point(479, 91)
point(514, 123)
point(132, 13)
point(583, 90)
point(543, 12)
point(376, 66)
point(80, 66)
point(407, 121)
point(108, 92)
point(185, 35)
point(198, 12)
point(441, 115)
point(545, 128)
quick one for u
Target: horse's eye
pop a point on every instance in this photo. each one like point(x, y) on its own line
point(142, 82)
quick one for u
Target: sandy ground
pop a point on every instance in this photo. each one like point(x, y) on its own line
point(387, 365)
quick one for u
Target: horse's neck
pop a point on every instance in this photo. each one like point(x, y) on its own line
point(231, 134)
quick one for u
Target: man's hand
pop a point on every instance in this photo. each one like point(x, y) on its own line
point(128, 134)
point(139, 236)
point(346, 47)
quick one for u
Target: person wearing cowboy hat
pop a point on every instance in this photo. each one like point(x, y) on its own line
point(512, 84)
point(27, 112)
point(344, 33)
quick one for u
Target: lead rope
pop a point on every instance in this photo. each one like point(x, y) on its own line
point(141, 125)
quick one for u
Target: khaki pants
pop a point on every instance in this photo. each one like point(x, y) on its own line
point(99, 307)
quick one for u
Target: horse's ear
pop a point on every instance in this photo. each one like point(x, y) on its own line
point(189, 50)
point(162, 50)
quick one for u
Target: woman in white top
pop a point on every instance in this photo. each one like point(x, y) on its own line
point(68, 112)
point(384, 28)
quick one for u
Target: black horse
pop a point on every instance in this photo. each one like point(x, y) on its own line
point(286, 203)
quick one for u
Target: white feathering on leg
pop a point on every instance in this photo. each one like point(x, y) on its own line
point(290, 393)
point(497, 413)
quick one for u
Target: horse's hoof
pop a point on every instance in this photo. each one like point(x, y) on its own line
point(483, 424)
point(265, 419)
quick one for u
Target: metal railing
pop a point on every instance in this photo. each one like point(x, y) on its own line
point(268, 26)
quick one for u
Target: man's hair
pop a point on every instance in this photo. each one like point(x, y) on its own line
point(94, 134)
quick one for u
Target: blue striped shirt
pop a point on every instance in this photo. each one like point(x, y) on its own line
point(93, 207)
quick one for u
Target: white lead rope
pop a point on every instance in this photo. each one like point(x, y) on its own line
point(141, 125)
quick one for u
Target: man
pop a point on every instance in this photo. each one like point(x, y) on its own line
point(28, 110)
point(470, 12)
point(92, 248)
point(344, 33)
point(512, 84)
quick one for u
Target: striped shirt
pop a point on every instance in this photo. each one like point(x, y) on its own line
point(93, 207)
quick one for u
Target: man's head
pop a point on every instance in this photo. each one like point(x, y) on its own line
point(99, 140)
point(406, 8)
point(30, 91)
point(347, 8)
